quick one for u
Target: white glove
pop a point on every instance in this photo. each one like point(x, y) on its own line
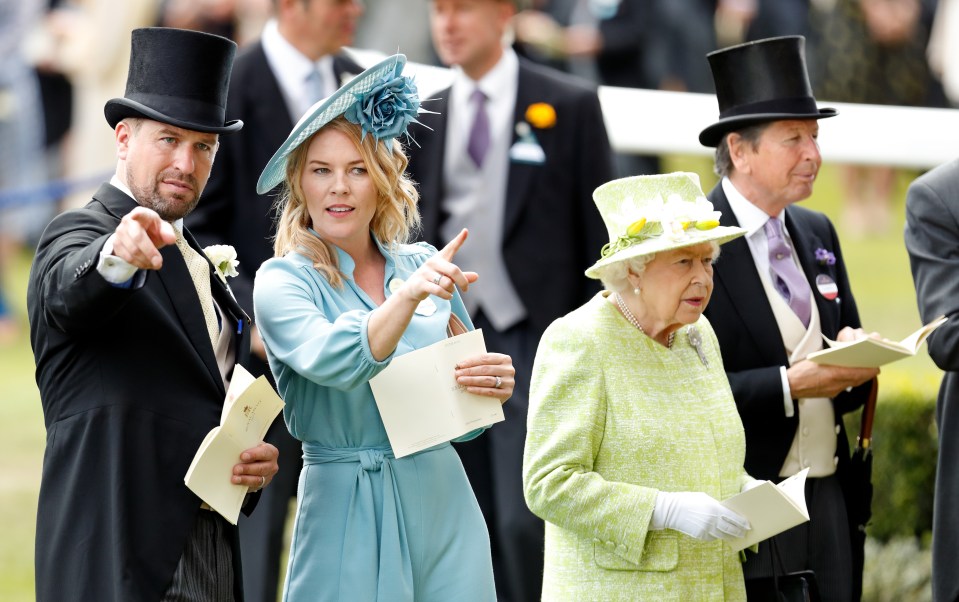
point(698, 515)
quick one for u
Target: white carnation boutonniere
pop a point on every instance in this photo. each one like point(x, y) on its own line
point(224, 260)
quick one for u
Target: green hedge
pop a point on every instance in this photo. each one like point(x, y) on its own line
point(904, 458)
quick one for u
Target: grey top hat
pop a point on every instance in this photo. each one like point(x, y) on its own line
point(761, 81)
point(179, 77)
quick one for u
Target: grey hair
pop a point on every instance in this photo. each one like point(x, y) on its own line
point(615, 276)
point(722, 162)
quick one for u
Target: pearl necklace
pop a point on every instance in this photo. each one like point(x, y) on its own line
point(632, 320)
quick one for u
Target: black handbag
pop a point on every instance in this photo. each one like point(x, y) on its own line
point(798, 586)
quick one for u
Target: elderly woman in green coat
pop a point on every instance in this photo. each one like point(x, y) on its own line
point(633, 435)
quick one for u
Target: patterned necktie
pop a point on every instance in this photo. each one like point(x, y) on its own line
point(478, 143)
point(787, 277)
point(200, 273)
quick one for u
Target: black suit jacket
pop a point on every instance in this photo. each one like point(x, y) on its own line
point(231, 211)
point(130, 386)
point(932, 239)
point(552, 231)
point(752, 347)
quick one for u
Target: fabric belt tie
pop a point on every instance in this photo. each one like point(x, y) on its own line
point(367, 577)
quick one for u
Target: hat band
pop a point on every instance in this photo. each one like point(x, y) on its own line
point(805, 105)
point(183, 109)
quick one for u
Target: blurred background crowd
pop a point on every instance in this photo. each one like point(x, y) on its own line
point(61, 60)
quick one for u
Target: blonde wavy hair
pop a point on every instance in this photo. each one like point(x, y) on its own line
point(394, 221)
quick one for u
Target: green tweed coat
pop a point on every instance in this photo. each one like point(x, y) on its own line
point(615, 417)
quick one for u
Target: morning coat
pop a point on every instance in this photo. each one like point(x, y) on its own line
point(130, 386)
point(932, 239)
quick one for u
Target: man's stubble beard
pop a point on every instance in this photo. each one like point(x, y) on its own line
point(169, 209)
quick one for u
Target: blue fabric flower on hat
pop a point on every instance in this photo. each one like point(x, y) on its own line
point(387, 109)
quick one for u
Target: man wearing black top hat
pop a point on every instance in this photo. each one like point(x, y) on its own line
point(776, 292)
point(135, 336)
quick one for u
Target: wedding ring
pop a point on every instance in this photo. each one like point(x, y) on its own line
point(262, 482)
point(436, 280)
point(499, 383)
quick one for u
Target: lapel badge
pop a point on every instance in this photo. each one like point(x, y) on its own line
point(527, 149)
point(827, 287)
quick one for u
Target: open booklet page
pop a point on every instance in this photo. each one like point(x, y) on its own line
point(770, 509)
point(872, 353)
point(420, 402)
point(249, 409)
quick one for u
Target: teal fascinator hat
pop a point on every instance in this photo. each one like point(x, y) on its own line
point(381, 100)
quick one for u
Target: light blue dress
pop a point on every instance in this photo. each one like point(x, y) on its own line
point(369, 527)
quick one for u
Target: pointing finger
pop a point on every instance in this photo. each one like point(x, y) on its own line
point(454, 245)
point(160, 232)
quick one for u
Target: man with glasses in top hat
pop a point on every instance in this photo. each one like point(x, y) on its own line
point(135, 338)
point(778, 290)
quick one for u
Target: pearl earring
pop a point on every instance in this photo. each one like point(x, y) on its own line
point(636, 291)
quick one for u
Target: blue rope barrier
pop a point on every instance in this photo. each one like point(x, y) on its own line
point(48, 192)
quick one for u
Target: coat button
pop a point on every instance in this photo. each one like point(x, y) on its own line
point(837, 429)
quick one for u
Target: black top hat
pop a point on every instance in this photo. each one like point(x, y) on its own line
point(178, 77)
point(761, 81)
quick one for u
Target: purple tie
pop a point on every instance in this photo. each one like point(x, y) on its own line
point(478, 143)
point(788, 279)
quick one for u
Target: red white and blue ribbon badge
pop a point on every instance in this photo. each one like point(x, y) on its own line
point(827, 287)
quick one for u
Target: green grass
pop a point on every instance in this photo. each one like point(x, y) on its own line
point(23, 434)
point(878, 267)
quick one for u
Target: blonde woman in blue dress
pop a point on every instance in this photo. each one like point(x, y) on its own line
point(633, 435)
point(344, 296)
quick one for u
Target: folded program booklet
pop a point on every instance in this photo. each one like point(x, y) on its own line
point(872, 353)
point(249, 409)
point(770, 509)
point(421, 403)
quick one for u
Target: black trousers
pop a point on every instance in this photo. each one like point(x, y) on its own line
point(261, 533)
point(822, 545)
point(494, 465)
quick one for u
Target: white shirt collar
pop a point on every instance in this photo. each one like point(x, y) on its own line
point(117, 183)
point(291, 69)
point(749, 216)
point(498, 83)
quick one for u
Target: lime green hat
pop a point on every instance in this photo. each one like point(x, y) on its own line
point(645, 215)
